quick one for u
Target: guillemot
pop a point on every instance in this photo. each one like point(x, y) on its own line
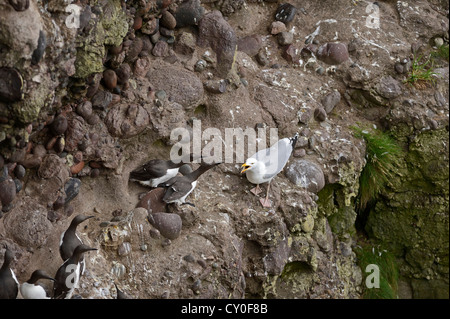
point(9, 286)
point(157, 171)
point(31, 290)
point(68, 275)
point(179, 187)
point(70, 240)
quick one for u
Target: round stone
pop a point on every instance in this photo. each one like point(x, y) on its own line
point(285, 12)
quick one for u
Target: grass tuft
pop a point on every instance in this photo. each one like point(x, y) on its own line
point(421, 71)
point(388, 275)
point(382, 157)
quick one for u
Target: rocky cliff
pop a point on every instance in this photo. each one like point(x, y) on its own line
point(91, 90)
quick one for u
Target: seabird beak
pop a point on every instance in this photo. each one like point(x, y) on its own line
point(245, 167)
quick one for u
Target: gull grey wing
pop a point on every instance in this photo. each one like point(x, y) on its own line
point(275, 157)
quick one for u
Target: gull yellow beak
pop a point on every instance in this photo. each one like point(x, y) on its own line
point(245, 167)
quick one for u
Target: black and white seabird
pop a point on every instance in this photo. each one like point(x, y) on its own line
point(157, 171)
point(68, 275)
point(179, 187)
point(70, 240)
point(263, 166)
point(9, 286)
point(120, 293)
point(31, 290)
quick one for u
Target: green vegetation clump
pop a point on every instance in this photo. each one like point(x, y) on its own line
point(382, 156)
point(441, 52)
point(388, 272)
point(421, 70)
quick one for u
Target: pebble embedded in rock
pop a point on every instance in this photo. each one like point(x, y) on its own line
point(388, 87)
point(320, 114)
point(101, 100)
point(277, 27)
point(137, 23)
point(11, 85)
point(110, 78)
point(161, 49)
point(7, 192)
point(189, 13)
point(123, 73)
point(150, 27)
point(200, 65)
point(168, 20)
point(59, 125)
point(250, 44)
point(152, 201)
point(124, 249)
point(169, 225)
point(285, 13)
point(285, 38)
point(19, 171)
point(306, 174)
point(38, 53)
point(291, 53)
point(216, 86)
point(84, 109)
point(72, 188)
point(134, 49)
point(333, 53)
point(330, 100)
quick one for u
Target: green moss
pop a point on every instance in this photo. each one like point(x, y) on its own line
point(110, 29)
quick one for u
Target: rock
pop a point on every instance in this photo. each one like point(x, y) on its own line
point(307, 223)
point(285, 13)
point(330, 100)
point(168, 20)
point(285, 38)
point(189, 13)
point(134, 49)
point(125, 120)
point(84, 109)
point(74, 133)
point(216, 86)
point(332, 53)
point(306, 174)
point(50, 166)
point(161, 49)
point(7, 192)
point(200, 65)
point(169, 225)
point(123, 73)
point(169, 78)
point(150, 27)
point(185, 43)
point(299, 152)
point(124, 249)
point(19, 171)
point(250, 44)
point(20, 5)
point(277, 27)
point(27, 224)
point(216, 32)
point(291, 53)
point(110, 79)
point(320, 114)
point(152, 201)
point(141, 67)
point(101, 100)
point(71, 189)
point(262, 58)
point(438, 42)
point(388, 87)
point(275, 261)
point(38, 53)
point(59, 125)
point(11, 85)
point(137, 23)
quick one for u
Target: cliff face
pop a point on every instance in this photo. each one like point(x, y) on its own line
point(89, 92)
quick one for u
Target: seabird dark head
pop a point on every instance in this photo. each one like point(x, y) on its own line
point(38, 274)
point(8, 258)
point(82, 249)
point(79, 219)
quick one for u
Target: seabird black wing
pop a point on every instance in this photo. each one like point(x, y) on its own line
point(152, 169)
point(177, 190)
